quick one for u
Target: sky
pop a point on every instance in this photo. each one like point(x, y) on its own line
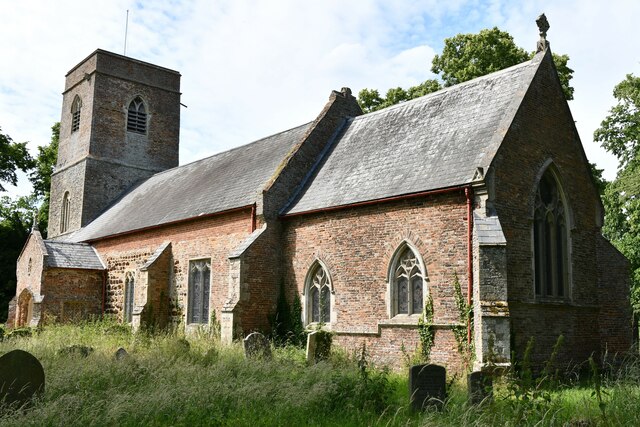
point(254, 68)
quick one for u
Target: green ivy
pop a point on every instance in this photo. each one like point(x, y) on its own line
point(426, 329)
point(465, 317)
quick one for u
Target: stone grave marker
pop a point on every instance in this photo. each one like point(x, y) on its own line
point(121, 354)
point(427, 386)
point(21, 378)
point(257, 345)
point(311, 347)
point(318, 346)
point(76, 350)
point(480, 387)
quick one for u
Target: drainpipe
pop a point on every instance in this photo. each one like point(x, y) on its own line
point(468, 192)
point(253, 217)
point(104, 291)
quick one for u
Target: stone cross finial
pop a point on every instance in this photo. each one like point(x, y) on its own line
point(543, 27)
point(34, 227)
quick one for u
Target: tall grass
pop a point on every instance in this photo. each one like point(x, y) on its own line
point(172, 379)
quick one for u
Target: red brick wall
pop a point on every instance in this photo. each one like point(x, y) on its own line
point(213, 237)
point(543, 129)
point(71, 294)
point(357, 246)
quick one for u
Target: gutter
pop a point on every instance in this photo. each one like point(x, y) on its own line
point(468, 192)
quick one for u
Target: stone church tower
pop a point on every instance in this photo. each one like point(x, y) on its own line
point(120, 124)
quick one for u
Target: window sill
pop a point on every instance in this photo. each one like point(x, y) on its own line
point(402, 319)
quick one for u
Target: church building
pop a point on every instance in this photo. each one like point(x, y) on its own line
point(366, 218)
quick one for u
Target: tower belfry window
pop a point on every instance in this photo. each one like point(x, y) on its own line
point(75, 113)
point(137, 116)
point(65, 212)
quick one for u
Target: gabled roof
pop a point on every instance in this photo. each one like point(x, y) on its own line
point(433, 142)
point(72, 255)
point(225, 181)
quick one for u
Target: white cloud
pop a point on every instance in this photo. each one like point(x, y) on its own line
point(253, 68)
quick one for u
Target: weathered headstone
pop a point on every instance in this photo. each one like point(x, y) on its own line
point(21, 378)
point(311, 347)
point(427, 386)
point(318, 346)
point(121, 354)
point(257, 345)
point(76, 350)
point(480, 387)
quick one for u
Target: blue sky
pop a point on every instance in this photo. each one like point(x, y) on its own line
point(253, 68)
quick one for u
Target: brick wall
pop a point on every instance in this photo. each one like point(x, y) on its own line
point(543, 130)
point(71, 295)
point(357, 246)
point(214, 237)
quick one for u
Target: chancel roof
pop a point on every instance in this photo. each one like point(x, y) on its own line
point(72, 255)
point(225, 181)
point(433, 142)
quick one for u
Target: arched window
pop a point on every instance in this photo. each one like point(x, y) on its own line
point(137, 116)
point(75, 113)
point(407, 280)
point(550, 239)
point(65, 212)
point(199, 284)
point(318, 294)
point(129, 288)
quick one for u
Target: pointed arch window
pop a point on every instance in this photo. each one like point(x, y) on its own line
point(65, 212)
point(129, 288)
point(199, 285)
point(137, 116)
point(407, 279)
point(318, 294)
point(76, 106)
point(550, 239)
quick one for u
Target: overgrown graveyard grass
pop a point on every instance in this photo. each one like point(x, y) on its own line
point(173, 379)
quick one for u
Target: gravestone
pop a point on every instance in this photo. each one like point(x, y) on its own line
point(427, 386)
point(318, 346)
point(21, 378)
point(76, 350)
point(121, 354)
point(257, 345)
point(480, 387)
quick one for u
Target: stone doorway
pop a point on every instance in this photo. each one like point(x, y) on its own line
point(25, 309)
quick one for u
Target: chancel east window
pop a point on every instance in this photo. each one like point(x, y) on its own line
point(407, 283)
point(137, 116)
point(318, 295)
point(129, 287)
point(199, 284)
point(75, 113)
point(550, 239)
point(65, 212)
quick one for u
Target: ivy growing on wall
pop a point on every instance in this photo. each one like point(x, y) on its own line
point(426, 329)
point(286, 322)
point(465, 317)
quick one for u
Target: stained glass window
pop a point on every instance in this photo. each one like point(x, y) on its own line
point(408, 283)
point(319, 299)
point(550, 239)
point(199, 284)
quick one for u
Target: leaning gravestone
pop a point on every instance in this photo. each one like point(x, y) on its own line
point(480, 387)
point(427, 386)
point(257, 345)
point(311, 347)
point(21, 378)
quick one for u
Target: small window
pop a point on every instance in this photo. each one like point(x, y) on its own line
point(65, 212)
point(550, 239)
point(407, 283)
point(199, 284)
point(29, 266)
point(318, 295)
point(129, 288)
point(137, 116)
point(75, 113)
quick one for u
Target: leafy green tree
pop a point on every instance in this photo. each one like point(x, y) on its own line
point(13, 156)
point(40, 176)
point(619, 133)
point(465, 57)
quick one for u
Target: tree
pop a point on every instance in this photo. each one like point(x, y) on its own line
point(13, 156)
point(40, 176)
point(619, 133)
point(465, 57)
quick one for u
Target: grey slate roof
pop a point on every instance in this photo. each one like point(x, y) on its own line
point(489, 231)
point(72, 255)
point(221, 182)
point(433, 142)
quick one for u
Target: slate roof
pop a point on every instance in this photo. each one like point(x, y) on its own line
point(72, 255)
point(489, 231)
point(221, 182)
point(433, 142)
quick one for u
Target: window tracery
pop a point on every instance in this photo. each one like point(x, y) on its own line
point(319, 295)
point(199, 286)
point(407, 284)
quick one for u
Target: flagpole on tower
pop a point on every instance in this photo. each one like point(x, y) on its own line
point(126, 29)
